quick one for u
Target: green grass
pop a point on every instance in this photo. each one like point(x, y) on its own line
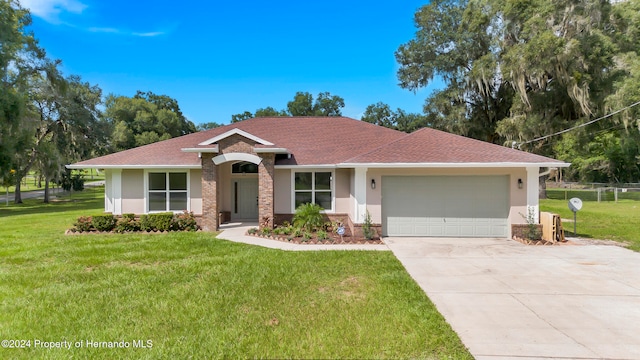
point(604, 220)
point(30, 183)
point(195, 296)
point(591, 194)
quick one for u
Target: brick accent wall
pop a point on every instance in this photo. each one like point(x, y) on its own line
point(211, 190)
point(265, 190)
point(209, 193)
point(236, 144)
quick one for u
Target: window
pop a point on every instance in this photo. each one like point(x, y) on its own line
point(313, 187)
point(167, 191)
point(244, 168)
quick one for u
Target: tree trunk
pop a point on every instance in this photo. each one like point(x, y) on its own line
point(542, 188)
point(46, 190)
point(17, 196)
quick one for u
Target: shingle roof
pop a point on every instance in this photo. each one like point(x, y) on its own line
point(434, 146)
point(325, 141)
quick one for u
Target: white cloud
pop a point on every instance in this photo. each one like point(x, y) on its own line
point(50, 10)
point(148, 34)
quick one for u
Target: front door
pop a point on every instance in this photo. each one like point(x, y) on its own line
point(244, 194)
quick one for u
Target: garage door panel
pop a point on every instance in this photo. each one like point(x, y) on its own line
point(456, 206)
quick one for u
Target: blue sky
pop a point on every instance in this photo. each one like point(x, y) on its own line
point(221, 58)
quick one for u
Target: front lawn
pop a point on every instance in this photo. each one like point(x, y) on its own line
point(605, 220)
point(190, 295)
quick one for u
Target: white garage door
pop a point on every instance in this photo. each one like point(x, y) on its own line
point(454, 206)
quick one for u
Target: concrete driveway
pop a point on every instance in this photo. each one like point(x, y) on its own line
point(508, 300)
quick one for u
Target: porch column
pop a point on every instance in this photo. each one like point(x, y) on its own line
point(108, 191)
point(116, 191)
point(209, 193)
point(265, 189)
point(532, 193)
point(360, 194)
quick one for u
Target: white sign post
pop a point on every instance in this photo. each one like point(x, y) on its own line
point(575, 204)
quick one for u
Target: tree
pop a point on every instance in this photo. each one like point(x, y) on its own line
point(144, 119)
point(516, 71)
point(379, 114)
point(328, 105)
point(207, 126)
point(324, 105)
point(239, 117)
point(20, 57)
point(269, 112)
point(382, 115)
point(62, 122)
point(302, 104)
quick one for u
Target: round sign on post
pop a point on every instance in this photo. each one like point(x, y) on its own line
point(575, 204)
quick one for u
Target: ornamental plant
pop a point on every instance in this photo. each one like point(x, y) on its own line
point(308, 217)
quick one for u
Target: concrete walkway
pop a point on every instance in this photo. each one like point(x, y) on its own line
point(511, 301)
point(236, 232)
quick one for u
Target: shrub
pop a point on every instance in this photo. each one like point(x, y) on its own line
point(83, 223)
point(308, 217)
point(252, 231)
point(297, 232)
point(185, 221)
point(104, 222)
point(266, 231)
point(145, 223)
point(532, 232)
point(156, 222)
point(126, 223)
point(162, 221)
point(307, 235)
point(367, 230)
point(288, 230)
point(322, 235)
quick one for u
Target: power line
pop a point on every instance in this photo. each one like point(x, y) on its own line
point(579, 126)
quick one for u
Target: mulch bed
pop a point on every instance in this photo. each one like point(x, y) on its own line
point(536, 242)
point(96, 232)
point(332, 239)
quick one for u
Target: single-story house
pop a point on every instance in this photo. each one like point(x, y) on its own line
point(427, 183)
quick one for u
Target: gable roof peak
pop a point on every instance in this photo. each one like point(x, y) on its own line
point(235, 131)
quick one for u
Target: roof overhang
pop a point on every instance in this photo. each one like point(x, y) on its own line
point(213, 149)
point(319, 166)
point(272, 150)
point(79, 167)
point(454, 165)
point(235, 132)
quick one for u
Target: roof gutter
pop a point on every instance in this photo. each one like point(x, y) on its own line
point(80, 167)
point(452, 165)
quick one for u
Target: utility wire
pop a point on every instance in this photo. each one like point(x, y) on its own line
point(579, 126)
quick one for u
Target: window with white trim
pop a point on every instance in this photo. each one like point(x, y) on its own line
point(313, 187)
point(167, 191)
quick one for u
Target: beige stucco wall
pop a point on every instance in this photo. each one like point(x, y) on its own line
point(133, 191)
point(517, 197)
point(342, 186)
point(282, 191)
point(195, 191)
